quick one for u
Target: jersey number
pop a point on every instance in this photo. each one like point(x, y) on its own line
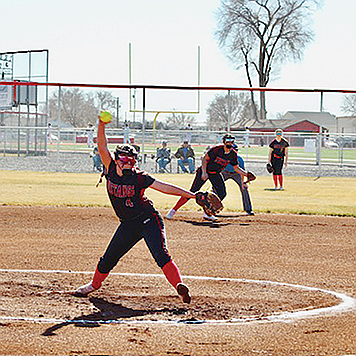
point(129, 203)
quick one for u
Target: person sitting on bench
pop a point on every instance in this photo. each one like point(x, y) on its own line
point(185, 155)
point(97, 164)
point(163, 157)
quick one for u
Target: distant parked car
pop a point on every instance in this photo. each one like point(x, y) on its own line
point(331, 144)
point(346, 141)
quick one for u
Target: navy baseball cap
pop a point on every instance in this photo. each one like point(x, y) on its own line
point(228, 138)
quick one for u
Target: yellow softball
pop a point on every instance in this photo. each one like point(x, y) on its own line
point(105, 117)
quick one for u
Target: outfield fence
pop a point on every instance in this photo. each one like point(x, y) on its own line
point(24, 129)
point(305, 148)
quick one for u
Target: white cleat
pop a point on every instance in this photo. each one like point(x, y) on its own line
point(83, 291)
point(170, 214)
point(210, 217)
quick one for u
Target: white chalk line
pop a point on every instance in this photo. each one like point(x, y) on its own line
point(346, 304)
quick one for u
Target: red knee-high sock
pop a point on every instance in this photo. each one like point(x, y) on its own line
point(180, 203)
point(172, 274)
point(275, 180)
point(280, 178)
point(98, 278)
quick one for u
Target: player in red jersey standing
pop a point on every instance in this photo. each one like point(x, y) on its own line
point(278, 154)
point(213, 162)
point(139, 219)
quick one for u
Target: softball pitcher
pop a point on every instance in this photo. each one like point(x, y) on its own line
point(139, 219)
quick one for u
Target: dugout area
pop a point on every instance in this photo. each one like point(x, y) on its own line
point(47, 249)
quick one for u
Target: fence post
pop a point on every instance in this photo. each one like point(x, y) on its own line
point(318, 149)
point(59, 119)
point(19, 132)
point(341, 151)
point(228, 110)
point(143, 126)
point(4, 140)
point(320, 136)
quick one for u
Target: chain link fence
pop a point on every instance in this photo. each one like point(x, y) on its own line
point(25, 130)
point(305, 148)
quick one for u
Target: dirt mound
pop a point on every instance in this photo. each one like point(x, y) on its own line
point(241, 271)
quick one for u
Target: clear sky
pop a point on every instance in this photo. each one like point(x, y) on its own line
point(88, 42)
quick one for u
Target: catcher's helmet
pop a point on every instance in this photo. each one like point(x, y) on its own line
point(126, 150)
point(228, 137)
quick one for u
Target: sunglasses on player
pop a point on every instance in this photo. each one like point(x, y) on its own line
point(127, 160)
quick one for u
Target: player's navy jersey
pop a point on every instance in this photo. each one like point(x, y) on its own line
point(279, 147)
point(218, 159)
point(126, 192)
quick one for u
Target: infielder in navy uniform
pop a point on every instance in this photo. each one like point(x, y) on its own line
point(213, 162)
point(230, 173)
point(278, 156)
point(139, 219)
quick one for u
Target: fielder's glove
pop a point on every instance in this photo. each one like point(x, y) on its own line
point(269, 168)
point(210, 202)
point(250, 177)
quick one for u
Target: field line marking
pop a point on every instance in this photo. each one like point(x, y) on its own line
point(347, 303)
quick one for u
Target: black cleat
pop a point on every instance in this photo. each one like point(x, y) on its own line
point(183, 291)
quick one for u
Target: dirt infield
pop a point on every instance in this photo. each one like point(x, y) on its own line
point(268, 285)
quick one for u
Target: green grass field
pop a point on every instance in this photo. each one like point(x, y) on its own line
point(302, 195)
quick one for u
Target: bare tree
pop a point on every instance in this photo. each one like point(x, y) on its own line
point(77, 108)
point(241, 111)
point(262, 34)
point(179, 121)
point(106, 100)
point(348, 105)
